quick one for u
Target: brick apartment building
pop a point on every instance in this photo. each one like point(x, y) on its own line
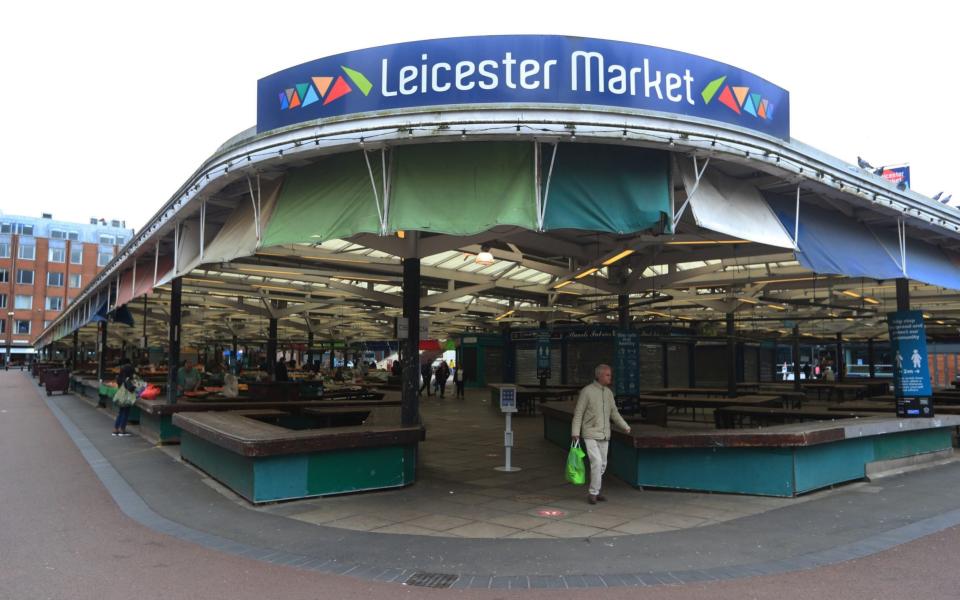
point(44, 265)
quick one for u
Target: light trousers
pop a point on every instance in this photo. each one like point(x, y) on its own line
point(597, 453)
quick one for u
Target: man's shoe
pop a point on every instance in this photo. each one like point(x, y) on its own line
point(592, 499)
point(601, 498)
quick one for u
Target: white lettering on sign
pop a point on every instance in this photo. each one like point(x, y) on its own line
point(589, 72)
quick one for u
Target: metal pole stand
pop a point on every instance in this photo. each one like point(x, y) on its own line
point(508, 447)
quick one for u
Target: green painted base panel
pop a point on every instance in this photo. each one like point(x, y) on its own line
point(159, 428)
point(288, 477)
point(764, 471)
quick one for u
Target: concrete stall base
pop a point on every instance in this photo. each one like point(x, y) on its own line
point(784, 460)
point(272, 455)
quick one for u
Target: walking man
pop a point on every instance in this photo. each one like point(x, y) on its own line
point(591, 421)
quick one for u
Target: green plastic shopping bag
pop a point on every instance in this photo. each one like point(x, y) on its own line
point(576, 473)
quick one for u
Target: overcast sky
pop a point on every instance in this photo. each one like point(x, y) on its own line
point(109, 107)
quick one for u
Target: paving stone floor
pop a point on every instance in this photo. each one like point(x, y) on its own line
point(458, 492)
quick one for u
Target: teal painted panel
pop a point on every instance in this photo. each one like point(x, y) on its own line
point(556, 431)
point(280, 477)
point(761, 471)
point(826, 464)
point(910, 443)
point(410, 463)
point(622, 462)
point(232, 470)
point(340, 471)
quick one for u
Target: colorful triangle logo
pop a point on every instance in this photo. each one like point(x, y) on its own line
point(311, 96)
point(340, 88)
point(711, 89)
point(284, 103)
point(358, 80)
point(741, 94)
point(323, 84)
point(726, 98)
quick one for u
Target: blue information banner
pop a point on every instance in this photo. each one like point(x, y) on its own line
point(543, 355)
point(626, 375)
point(908, 342)
point(521, 69)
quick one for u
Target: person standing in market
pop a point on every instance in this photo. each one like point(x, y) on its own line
point(595, 410)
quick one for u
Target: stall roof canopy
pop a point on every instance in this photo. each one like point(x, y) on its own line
point(736, 208)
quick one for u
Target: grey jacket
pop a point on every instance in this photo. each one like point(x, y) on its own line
point(595, 409)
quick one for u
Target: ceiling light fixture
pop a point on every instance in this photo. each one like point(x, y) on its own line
point(484, 257)
point(589, 271)
point(506, 314)
point(617, 257)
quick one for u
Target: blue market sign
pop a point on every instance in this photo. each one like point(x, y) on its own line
point(521, 69)
point(908, 342)
point(543, 354)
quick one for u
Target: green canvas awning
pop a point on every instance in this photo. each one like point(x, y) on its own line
point(601, 187)
point(333, 198)
point(463, 188)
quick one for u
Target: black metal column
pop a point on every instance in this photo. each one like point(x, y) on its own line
point(903, 294)
point(410, 407)
point(235, 360)
point(871, 361)
point(623, 311)
point(76, 348)
point(271, 347)
point(310, 348)
point(796, 358)
point(102, 350)
point(731, 357)
point(173, 340)
point(841, 363)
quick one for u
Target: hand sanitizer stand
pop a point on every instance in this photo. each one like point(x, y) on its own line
point(508, 406)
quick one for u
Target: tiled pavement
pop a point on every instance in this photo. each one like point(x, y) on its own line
point(459, 493)
point(791, 535)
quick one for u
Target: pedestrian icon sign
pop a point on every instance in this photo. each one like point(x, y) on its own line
point(911, 376)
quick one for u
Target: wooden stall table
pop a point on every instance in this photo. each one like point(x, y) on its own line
point(699, 402)
point(857, 390)
point(528, 396)
point(730, 417)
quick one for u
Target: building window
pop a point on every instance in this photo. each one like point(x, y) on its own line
point(76, 256)
point(4, 276)
point(55, 279)
point(3, 325)
point(25, 276)
point(46, 324)
point(26, 251)
point(73, 235)
point(3, 300)
point(54, 303)
point(58, 234)
point(22, 302)
point(103, 258)
point(4, 249)
point(121, 240)
point(21, 327)
point(74, 280)
point(107, 239)
point(57, 255)
point(20, 228)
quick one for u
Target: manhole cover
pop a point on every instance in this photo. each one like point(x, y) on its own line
point(551, 512)
point(431, 580)
point(534, 499)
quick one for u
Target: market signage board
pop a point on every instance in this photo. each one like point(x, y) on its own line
point(543, 354)
point(908, 342)
point(626, 374)
point(524, 70)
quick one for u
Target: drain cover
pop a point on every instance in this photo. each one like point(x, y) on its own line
point(432, 580)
